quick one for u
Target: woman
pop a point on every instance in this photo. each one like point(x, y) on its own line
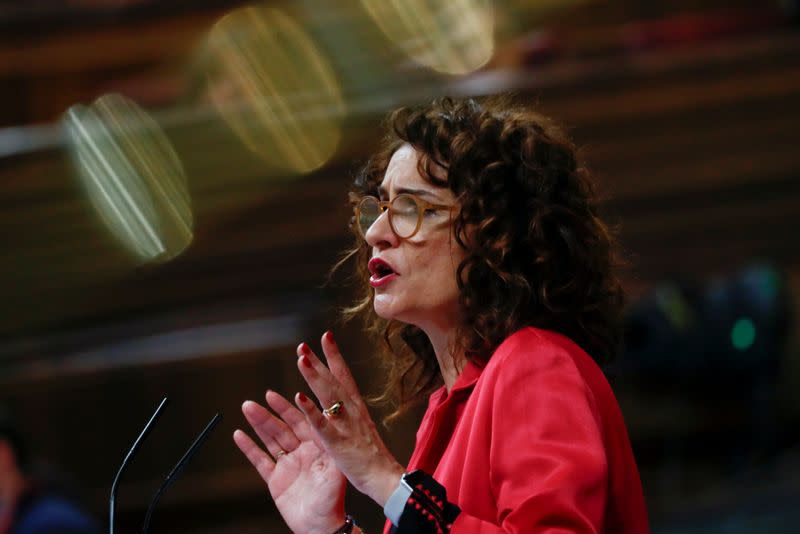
point(490, 279)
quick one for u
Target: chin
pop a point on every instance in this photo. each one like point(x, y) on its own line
point(383, 314)
point(388, 308)
point(383, 307)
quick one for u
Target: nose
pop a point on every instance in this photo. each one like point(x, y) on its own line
point(380, 234)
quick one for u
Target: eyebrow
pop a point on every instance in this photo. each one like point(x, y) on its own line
point(418, 192)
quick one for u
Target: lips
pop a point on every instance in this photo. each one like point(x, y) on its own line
point(381, 272)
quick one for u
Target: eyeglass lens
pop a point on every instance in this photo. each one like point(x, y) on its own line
point(404, 216)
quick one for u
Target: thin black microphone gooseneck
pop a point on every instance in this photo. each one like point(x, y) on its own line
point(173, 474)
point(176, 471)
point(131, 453)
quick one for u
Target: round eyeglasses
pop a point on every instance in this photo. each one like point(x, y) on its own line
point(407, 213)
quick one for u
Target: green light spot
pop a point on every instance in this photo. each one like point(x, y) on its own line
point(743, 334)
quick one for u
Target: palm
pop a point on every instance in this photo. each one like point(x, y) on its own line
point(306, 486)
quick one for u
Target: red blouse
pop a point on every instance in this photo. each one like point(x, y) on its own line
point(533, 443)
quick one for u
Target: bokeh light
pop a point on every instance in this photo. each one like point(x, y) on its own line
point(274, 87)
point(133, 176)
point(743, 333)
point(671, 300)
point(450, 36)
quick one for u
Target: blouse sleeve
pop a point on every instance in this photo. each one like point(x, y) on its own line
point(426, 509)
point(547, 464)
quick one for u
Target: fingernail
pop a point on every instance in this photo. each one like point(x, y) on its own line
point(302, 397)
point(305, 361)
point(302, 348)
point(329, 337)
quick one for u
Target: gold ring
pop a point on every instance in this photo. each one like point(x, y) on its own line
point(280, 453)
point(333, 410)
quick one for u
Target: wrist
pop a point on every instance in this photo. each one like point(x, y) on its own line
point(347, 527)
point(385, 483)
point(328, 525)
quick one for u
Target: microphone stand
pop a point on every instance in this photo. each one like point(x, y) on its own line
point(131, 453)
point(176, 471)
point(171, 477)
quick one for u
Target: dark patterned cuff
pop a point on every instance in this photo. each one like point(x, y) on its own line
point(426, 509)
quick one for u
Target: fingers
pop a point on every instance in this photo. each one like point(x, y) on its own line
point(318, 377)
point(337, 365)
point(273, 433)
point(291, 416)
point(329, 386)
point(306, 421)
point(314, 416)
point(332, 382)
point(260, 460)
point(285, 409)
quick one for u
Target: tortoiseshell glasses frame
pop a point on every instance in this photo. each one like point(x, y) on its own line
point(406, 213)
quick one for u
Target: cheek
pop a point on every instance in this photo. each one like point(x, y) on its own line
point(437, 271)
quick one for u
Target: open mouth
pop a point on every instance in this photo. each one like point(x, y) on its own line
point(381, 272)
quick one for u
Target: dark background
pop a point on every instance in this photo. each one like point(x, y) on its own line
point(687, 111)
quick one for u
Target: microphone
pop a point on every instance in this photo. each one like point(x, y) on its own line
point(173, 474)
point(176, 471)
point(131, 453)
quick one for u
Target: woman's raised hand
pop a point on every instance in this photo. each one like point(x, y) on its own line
point(349, 436)
point(302, 478)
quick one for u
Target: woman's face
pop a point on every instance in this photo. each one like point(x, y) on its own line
point(415, 278)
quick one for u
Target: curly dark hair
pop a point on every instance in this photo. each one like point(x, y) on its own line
point(537, 252)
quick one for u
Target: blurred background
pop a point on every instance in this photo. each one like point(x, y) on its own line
point(173, 181)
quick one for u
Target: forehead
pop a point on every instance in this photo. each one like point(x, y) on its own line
point(402, 175)
point(402, 170)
